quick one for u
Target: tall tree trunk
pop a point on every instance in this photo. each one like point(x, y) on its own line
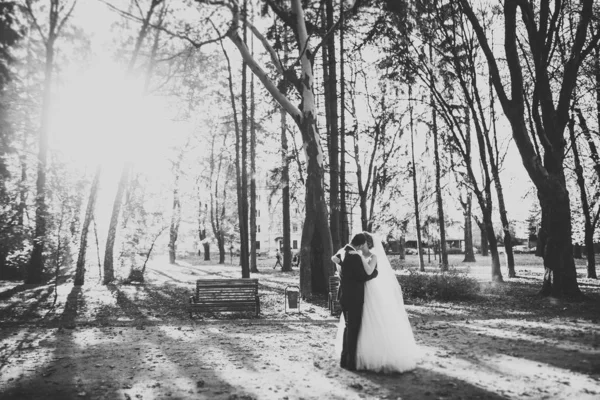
point(253, 249)
point(89, 215)
point(493, 245)
point(547, 173)
point(109, 269)
point(238, 173)
point(332, 117)
point(585, 206)
point(175, 218)
point(109, 274)
point(253, 265)
point(222, 220)
point(22, 208)
point(316, 247)
point(494, 161)
point(344, 230)
point(438, 186)
point(588, 136)
point(469, 253)
point(414, 179)
point(285, 194)
point(484, 241)
point(591, 144)
point(35, 266)
point(560, 277)
point(244, 236)
point(202, 229)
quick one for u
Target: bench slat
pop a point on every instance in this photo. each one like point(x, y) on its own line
point(226, 295)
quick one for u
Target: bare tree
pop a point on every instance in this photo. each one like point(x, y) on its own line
point(413, 170)
point(547, 171)
point(56, 22)
point(316, 247)
point(89, 215)
point(109, 273)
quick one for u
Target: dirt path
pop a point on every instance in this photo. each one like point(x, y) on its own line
point(137, 342)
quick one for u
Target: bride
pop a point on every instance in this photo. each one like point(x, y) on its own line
point(385, 341)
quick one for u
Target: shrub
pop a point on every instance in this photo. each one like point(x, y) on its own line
point(454, 250)
point(444, 286)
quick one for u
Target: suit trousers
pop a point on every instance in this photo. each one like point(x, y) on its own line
point(353, 317)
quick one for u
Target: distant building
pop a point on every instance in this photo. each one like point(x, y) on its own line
point(269, 220)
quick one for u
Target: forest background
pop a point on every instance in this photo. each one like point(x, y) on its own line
point(129, 127)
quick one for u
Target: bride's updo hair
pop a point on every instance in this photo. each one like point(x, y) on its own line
point(370, 242)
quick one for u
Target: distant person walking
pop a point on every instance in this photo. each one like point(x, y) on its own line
point(278, 262)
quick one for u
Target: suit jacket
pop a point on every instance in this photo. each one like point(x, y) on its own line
point(352, 281)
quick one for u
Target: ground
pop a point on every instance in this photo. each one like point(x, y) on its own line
point(138, 342)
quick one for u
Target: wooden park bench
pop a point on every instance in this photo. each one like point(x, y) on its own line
point(334, 285)
point(222, 295)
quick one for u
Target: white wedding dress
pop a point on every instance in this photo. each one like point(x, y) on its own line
point(385, 340)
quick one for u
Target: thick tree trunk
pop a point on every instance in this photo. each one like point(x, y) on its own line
point(555, 236)
point(316, 247)
point(560, 278)
point(109, 270)
point(89, 215)
point(469, 253)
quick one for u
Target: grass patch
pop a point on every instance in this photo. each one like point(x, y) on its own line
point(444, 286)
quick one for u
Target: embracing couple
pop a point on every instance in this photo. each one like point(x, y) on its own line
point(374, 333)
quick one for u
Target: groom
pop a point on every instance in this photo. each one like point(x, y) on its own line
point(351, 296)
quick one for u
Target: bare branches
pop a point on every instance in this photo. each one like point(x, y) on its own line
point(66, 17)
point(274, 56)
point(35, 21)
point(179, 35)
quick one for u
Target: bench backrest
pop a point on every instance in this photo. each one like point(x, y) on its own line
point(334, 283)
point(245, 288)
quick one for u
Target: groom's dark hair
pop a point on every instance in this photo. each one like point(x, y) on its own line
point(358, 240)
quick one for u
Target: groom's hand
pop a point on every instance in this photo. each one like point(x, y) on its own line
point(374, 274)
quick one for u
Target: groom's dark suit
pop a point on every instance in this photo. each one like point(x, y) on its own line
point(351, 296)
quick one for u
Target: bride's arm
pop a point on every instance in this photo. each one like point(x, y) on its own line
point(369, 264)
